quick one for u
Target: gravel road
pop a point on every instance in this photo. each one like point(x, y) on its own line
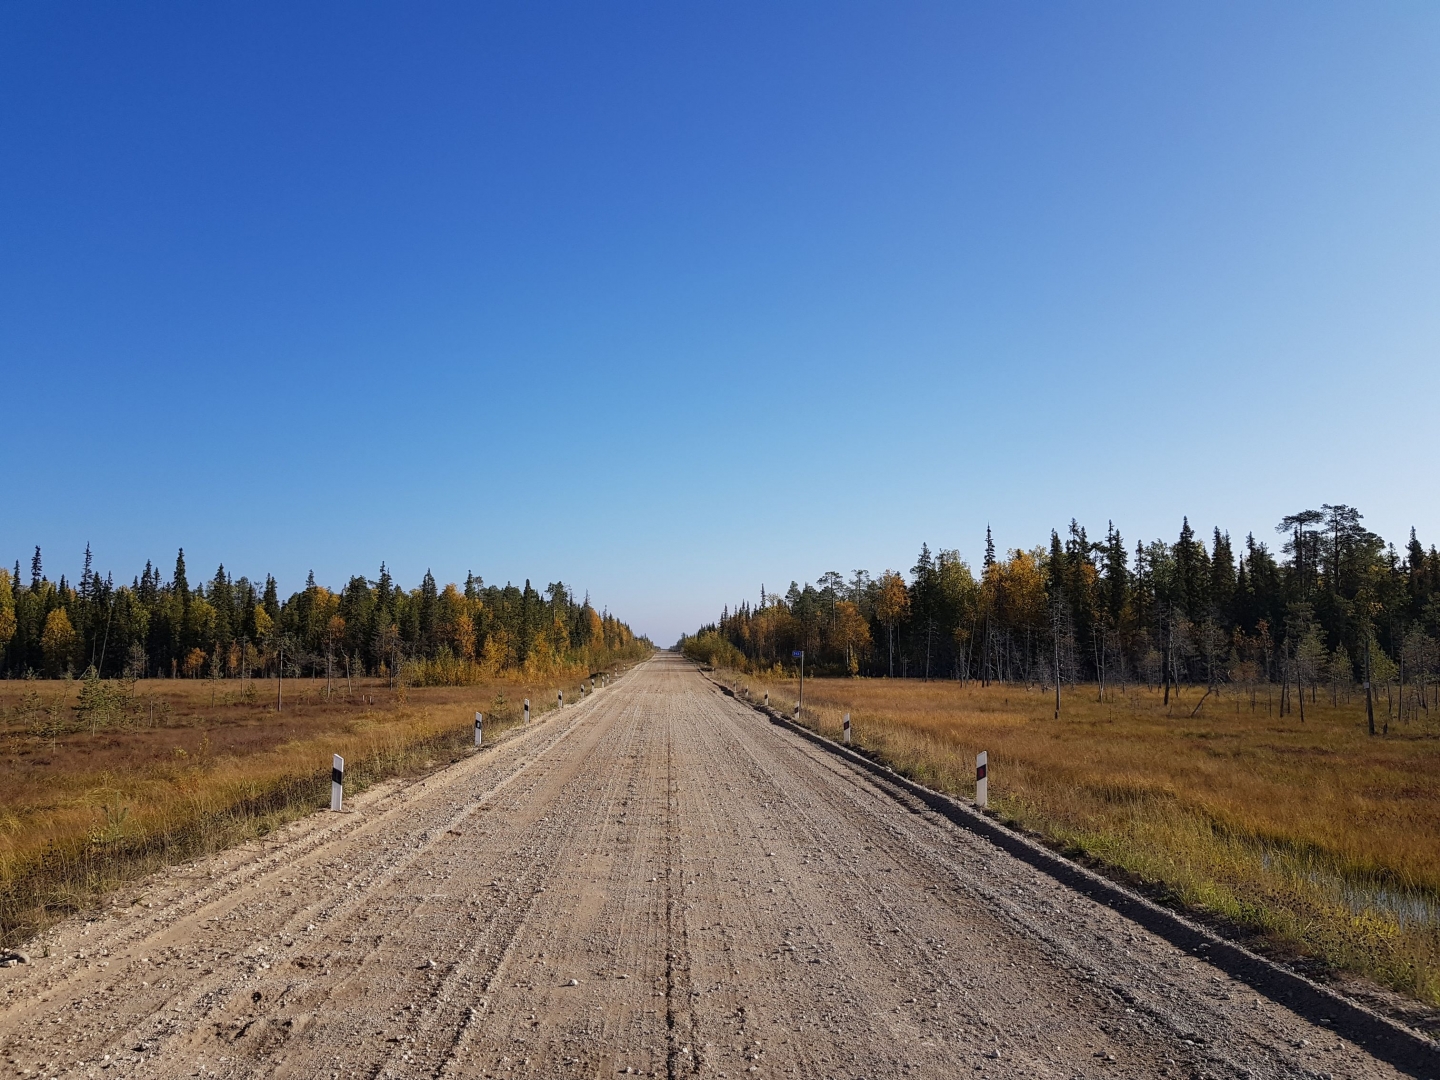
point(657, 881)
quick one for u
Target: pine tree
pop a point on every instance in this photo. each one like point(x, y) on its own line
point(1300, 547)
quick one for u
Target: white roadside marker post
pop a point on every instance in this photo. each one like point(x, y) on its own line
point(847, 729)
point(767, 699)
point(982, 785)
point(800, 653)
point(479, 729)
point(560, 699)
point(527, 710)
point(337, 783)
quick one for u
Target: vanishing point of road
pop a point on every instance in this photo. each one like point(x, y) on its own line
point(656, 882)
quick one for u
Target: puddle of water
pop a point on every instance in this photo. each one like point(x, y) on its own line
point(1408, 907)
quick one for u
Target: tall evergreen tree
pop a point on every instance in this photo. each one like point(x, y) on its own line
point(1116, 576)
point(1222, 578)
point(180, 585)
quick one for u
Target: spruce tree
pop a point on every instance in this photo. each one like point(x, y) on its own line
point(1116, 576)
point(180, 585)
point(1416, 566)
point(384, 590)
point(1185, 569)
point(1222, 578)
point(429, 607)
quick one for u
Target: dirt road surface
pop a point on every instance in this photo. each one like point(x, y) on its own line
point(656, 882)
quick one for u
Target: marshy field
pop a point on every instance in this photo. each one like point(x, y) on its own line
point(104, 781)
point(1313, 841)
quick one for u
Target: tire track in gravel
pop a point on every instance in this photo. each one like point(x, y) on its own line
point(451, 996)
point(576, 1027)
point(424, 1039)
point(584, 930)
point(257, 1017)
point(717, 838)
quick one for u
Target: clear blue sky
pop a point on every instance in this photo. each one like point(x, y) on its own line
point(670, 300)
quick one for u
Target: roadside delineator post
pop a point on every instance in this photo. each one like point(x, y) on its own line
point(527, 710)
point(847, 729)
point(479, 729)
point(767, 699)
point(982, 785)
point(799, 704)
point(337, 783)
point(560, 699)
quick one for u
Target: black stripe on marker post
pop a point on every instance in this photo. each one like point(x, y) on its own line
point(337, 783)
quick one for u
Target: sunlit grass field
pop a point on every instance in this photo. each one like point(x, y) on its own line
point(178, 768)
point(1316, 838)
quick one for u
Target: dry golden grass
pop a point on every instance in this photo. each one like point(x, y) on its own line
point(1316, 837)
point(189, 767)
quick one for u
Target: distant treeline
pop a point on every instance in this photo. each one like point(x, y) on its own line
point(229, 627)
point(1338, 604)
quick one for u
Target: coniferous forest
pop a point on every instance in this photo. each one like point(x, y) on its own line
point(229, 627)
point(1333, 607)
